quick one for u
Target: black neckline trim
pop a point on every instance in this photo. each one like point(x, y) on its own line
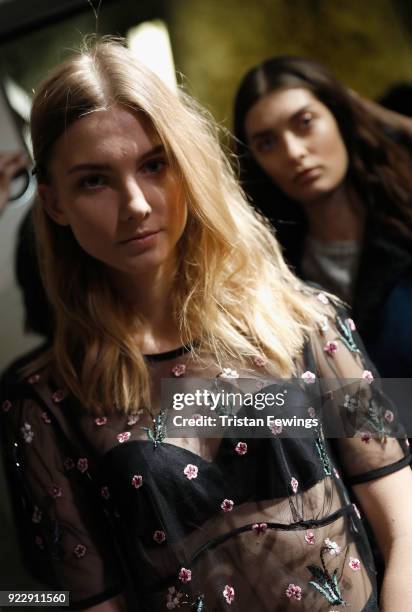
point(177, 352)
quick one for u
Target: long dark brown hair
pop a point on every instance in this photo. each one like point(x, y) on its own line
point(379, 168)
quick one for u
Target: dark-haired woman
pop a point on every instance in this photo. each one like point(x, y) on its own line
point(317, 161)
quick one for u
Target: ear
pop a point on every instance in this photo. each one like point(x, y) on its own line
point(48, 197)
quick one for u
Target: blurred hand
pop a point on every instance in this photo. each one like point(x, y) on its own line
point(10, 165)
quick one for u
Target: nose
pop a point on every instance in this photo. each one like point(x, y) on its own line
point(135, 205)
point(294, 147)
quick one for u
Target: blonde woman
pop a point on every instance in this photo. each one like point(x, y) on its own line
point(157, 268)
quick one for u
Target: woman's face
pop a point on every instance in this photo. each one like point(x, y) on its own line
point(112, 183)
point(296, 141)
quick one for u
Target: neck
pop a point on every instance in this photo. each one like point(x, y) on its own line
point(338, 216)
point(150, 296)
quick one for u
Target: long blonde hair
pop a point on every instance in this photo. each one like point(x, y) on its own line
point(233, 292)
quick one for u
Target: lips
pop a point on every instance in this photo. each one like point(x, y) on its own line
point(139, 236)
point(307, 174)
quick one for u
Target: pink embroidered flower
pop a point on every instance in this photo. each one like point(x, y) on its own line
point(137, 481)
point(309, 537)
point(185, 575)
point(366, 437)
point(351, 324)
point(228, 373)
point(124, 436)
point(259, 528)
point(104, 492)
point(159, 536)
point(45, 418)
point(68, 463)
point(368, 376)
point(294, 484)
point(259, 361)
point(100, 421)
point(275, 429)
point(294, 592)
point(58, 396)
point(27, 433)
point(308, 377)
point(39, 542)
point(55, 491)
point(330, 348)
point(354, 564)
point(337, 475)
point(79, 551)
point(33, 379)
point(389, 416)
point(83, 465)
point(323, 298)
point(358, 514)
point(179, 370)
point(333, 547)
point(191, 471)
point(6, 405)
point(241, 448)
point(229, 593)
point(311, 412)
point(37, 515)
point(227, 505)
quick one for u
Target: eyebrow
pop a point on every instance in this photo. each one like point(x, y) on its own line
point(268, 131)
point(92, 167)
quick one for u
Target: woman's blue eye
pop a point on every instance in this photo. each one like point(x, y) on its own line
point(154, 166)
point(265, 144)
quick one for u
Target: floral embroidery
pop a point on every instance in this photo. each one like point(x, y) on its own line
point(39, 542)
point(351, 403)
point(389, 416)
point(332, 547)
point(308, 377)
point(326, 584)
point(185, 575)
point(368, 376)
point(83, 465)
point(6, 405)
point(124, 436)
point(104, 492)
point(275, 429)
point(173, 598)
point(33, 379)
point(56, 491)
point(227, 505)
point(228, 373)
point(323, 455)
point(346, 335)
point(137, 481)
point(179, 370)
point(79, 551)
point(58, 396)
point(323, 298)
point(259, 361)
point(311, 412)
point(37, 515)
point(294, 591)
point(159, 536)
point(100, 421)
point(366, 437)
point(191, 471)
point(309, 537)
point(27, 433)
point(259, 528)
point(294, 484)
point(134, 418)
point(45, 418)
point(330, 348)
point(241, 448)
point(354, 564)
point(229, 593)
